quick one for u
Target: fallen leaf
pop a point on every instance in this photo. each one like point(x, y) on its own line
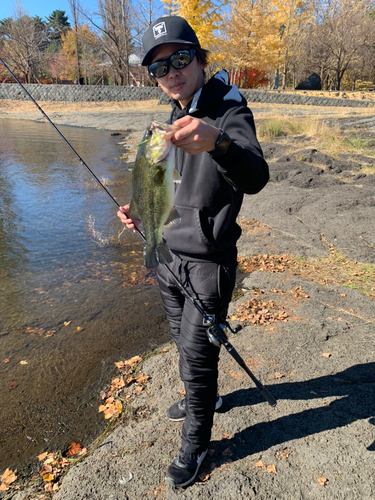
point(117, 383)
point(279, 375)
point(283, 454)
point(79, 328)
point(142, 379)
point(259, 464)
point(50, 460)
point(13, 385)
point(9, 477)
point(42, 456)
point(322, 480)
point(48, 487)
point(48, 478)
point(65, 462)
point(73, 449)
point(23, 362)
point(3, 487)
point(138, 388)
point(132, 361)
point(6, 360)
point(67, 323)
point(327, 354)
point(46, 469)
point(271, 469)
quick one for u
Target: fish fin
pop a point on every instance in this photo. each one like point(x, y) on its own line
point(133, 210)
point(157, 255)
point(176, 177)
point(174, 218)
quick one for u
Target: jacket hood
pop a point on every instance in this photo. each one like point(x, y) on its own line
point(216, 90)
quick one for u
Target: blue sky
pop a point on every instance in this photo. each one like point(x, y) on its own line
point(43, 8)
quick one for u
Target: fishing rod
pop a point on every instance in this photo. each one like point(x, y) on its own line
point(215, 332)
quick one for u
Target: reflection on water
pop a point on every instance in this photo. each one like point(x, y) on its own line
point(55, 276)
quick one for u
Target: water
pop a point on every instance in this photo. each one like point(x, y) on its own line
point(64, 266)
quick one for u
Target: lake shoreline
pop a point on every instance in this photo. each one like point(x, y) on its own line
point(313, 350)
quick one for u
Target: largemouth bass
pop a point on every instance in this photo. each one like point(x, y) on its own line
point(153, 189)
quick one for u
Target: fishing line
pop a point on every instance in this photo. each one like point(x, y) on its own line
point(216, 332)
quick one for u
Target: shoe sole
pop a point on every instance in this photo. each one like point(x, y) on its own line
point(218, 405)
point(170, 481)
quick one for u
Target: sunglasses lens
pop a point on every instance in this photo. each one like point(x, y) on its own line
point(178, 60)
point(158, 69)
point(181, 58)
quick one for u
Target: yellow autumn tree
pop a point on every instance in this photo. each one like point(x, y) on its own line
point(89, 54)
point(258, 32)
point(204, 16)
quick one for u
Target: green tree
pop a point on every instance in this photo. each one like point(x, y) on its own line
point(58, 24)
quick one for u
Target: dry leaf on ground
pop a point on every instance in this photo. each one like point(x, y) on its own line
point(73, 449)
point(271, 468)
point(42, 456)
point(7, 479)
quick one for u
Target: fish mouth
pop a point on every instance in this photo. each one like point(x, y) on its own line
point(167, 132)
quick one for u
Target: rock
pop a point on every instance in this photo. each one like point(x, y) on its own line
point(313, 82)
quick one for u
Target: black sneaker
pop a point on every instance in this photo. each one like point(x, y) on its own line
point(177, 411)
point(184, 468)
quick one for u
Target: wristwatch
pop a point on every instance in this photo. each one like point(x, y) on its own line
point(222, 144)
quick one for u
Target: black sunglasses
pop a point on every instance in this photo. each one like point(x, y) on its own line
point(178, 60)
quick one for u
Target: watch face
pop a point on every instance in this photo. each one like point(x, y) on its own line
point(224, 142)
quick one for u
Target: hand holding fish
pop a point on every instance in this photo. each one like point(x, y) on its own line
point(195, 136)
point(125, 217)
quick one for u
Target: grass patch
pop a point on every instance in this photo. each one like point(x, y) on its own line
point(328, 138)
point(368, 169)
point(333, 270)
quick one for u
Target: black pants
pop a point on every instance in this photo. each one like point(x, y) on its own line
point(211, 285)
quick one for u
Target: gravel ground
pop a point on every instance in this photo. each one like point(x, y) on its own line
point(316, 357)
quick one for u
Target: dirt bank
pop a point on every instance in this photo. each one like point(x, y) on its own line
point(306, 302)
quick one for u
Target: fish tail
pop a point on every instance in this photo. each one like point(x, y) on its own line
point(156, 255)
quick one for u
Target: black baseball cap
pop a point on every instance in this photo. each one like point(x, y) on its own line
point(169, 29)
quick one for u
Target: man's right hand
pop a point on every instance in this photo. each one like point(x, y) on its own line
point(124, 216)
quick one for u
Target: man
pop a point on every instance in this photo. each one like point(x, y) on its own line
point(219, 159)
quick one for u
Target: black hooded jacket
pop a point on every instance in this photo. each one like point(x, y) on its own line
point(211, 191)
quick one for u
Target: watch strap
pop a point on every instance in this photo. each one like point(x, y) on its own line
point(222, 144)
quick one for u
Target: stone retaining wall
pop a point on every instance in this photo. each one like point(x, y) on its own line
point(78, 93)
point(90, 93)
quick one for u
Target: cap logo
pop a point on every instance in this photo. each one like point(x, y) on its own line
point(159, 30)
